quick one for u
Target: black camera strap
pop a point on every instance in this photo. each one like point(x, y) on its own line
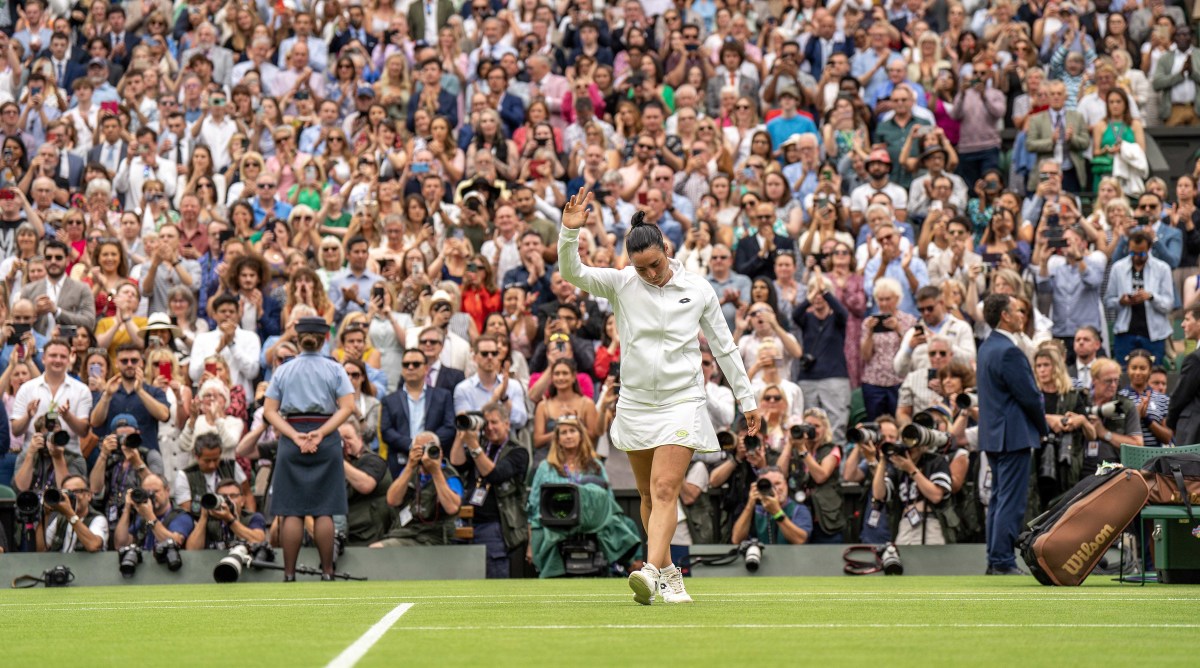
point(28, 581)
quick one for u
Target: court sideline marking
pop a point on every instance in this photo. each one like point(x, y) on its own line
point(366, 641)
point(586, 627)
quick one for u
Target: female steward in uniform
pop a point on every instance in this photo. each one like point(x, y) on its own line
point(661, 415)
point(308, 399)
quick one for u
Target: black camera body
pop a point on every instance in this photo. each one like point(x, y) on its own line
point(897, 449)
point(807, 361)
point(128, 558)
point(139, 495)
point(559, 506)
point(167, 553)
point(59, 576)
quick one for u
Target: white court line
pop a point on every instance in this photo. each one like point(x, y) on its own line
point(585, 627)
point(1048, 595)
point(615, 599)
point(353, 653)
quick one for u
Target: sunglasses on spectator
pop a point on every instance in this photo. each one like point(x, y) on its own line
point(267, 186)
point(927, 309)
point(413, 365)
point(489, 353)
point(431, 342)
point(772, 398)
point(939, 353)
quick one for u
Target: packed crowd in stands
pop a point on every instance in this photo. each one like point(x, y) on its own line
point(180, 182)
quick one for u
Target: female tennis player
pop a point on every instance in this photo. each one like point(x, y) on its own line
point(661, 417)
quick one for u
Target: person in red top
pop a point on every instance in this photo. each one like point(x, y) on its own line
point(480, 298)
point(609, 351)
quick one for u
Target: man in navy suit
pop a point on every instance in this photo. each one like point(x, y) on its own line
point(825, 41)
point(756, 254)
point(1012, 421)
point(354, 30)
point(412, 409)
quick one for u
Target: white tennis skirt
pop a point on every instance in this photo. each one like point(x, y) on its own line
point(639, 426)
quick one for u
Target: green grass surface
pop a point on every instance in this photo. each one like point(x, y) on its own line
point(866, 621)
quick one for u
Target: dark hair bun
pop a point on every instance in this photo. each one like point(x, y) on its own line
point(639, 218)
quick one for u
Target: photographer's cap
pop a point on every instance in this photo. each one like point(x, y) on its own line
point(123, 420)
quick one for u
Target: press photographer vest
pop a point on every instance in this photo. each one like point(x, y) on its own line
point(198, 486)
point(115, 488)
point(368, 517)
point(60, 530)
point(700, 522)
point(430, 524)
point(1105, 451)
point(214, 532)
point(511, 496)
point(824, 499)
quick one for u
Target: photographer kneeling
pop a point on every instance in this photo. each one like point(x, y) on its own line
point(70, 523)
point(571, 460)
point(428, 493)
point(771, 515)
point(223, 520)
point(495, 477)
point(913, 483)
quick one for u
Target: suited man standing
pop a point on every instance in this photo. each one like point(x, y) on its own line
point(425, 16)
point(119, 39)
point(66, 69)
point(413, 408)
point(58, 298)
point(1012, 421)
point(756, 254)
point(432, 342)
point(110, 149)
point(1183, 416)
point(825, 41)
point(1062, 136)
point(355, 30)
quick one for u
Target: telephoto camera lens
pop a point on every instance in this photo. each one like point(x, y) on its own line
point(129, 557)
point(167, 552)
point(1112, 409)
point(862, 435)
point(433, 451)
point(139, 495)
point(28, 505)
point(799, 431)
point(52, 497)
point(60, 439)
point(764, 487)
point(131, 441)
point(726, 440)
point(212, 501)
point(966, 401)
point(889, 558)
point(752, 552)
point(914, 435)
point(229, 569)
point(752, 443)
point(473, 421)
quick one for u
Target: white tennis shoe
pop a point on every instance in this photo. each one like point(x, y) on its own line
point(644, 584)
point(670, 586)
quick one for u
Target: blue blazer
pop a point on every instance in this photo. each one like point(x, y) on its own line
point(814, 59)
point(393, 422)
point(1011, 413)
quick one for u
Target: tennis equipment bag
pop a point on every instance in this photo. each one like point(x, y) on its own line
point(1174, 480)
point(1063, 545)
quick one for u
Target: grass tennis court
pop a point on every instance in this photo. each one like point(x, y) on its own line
point(875, 621)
